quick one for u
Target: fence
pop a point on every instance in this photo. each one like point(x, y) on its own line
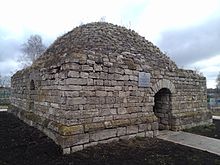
point(5, 96)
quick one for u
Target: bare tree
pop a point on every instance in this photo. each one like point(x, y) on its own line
point(1, 81)
point(197, 70)
point(102, 19)
point(31, 50)
point(218, 82)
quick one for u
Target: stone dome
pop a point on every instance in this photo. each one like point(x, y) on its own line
point(104, 38)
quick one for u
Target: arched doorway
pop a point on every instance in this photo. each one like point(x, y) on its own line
point(32, 85)
point(31, 95)
point(162, 108)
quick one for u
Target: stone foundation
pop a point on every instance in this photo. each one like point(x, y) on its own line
point(83, 136)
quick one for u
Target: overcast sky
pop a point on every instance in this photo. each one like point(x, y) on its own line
point(187, 30)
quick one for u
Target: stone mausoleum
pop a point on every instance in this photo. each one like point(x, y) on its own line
point(102, 82)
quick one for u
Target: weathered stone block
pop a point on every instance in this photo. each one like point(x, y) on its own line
point(76, 148)
point(132, 129)
point(68, 141)
point(121, 131)
point(84, 74)
point(86, 68)
point(98, 68)
point(74, 74)
point(149, 134)
point(143, 127)
point(154, 126)
point(66, 151)
point(122, 111)
point(94, 127)
point(121, 122)
point(101, 93)
point(103, 134)
point(108, 124)
point(76, 81)
point(70, 130)
point(141, 134)
point(76, 100)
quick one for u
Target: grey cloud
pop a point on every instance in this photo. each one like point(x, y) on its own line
point(190, 45)
point(10, 51)
point(9, 48)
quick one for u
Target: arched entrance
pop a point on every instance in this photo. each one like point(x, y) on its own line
point(162, 108)
point(31, 95)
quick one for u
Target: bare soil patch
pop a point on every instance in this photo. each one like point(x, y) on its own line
point(21, 144)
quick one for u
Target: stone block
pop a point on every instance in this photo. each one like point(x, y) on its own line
point(143, 127)
point(94, 127)
point(155, 133)
point(109, 140)
point(98, 119)
point(108, 124)
point(98, 68)
point(120, 122)
point(76, 148)
point(122, 111)
point(132, 129)
point(87, 68)
point(74, 74)
point(70, 66)
point(154, 126)
point(84, 74)
point(73, 140)
point(110, 100)
point(141, 134)
point(90, 113)
point(98, 82)
point(66, 151)
point(128, 71)
point(90, 82)
point(76, 81)
point(103, 134)
point(54, 105)
point(135, 121)
point(121, 131)
point(149, 134)
point(90, 144)
point(109, 111)
point(101, 93)
point(70, 130)
point(76, 100)
point(103, 76)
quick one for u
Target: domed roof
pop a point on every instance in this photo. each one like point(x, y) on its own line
point(105, 38)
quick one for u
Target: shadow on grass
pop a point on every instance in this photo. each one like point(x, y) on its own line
point(206, 130)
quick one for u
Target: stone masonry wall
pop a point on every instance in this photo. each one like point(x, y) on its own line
point(86, 97)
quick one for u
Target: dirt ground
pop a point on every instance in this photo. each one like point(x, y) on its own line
point(24, 145)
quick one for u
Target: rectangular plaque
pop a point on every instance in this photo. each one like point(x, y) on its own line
point(144, 79)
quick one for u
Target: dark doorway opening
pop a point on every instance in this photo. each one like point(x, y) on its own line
point(32, 85)
point(162, 108)
point(31, 95)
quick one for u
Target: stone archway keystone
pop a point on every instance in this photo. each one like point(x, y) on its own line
point(164, 84)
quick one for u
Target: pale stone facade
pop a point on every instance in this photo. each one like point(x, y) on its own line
point(102, 82)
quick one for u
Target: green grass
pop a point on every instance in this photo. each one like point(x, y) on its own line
point(4, 106)
point(216, 113)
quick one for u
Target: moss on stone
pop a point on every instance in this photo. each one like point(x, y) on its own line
point(94, 126)
point(121, 122)
point(130, 63)
point(33, 117)
point(70, 130)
